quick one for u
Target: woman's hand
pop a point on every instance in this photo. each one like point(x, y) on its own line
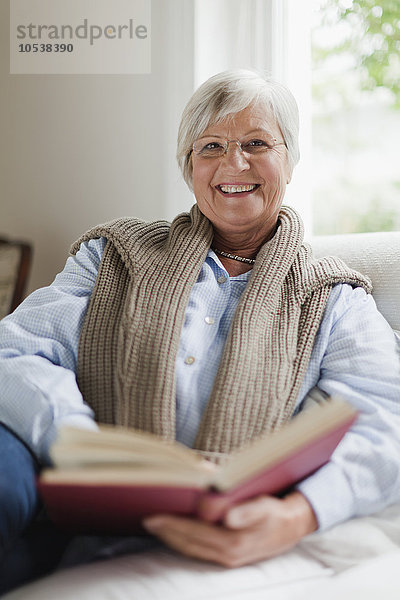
point(251, 531)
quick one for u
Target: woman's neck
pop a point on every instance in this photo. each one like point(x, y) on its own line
point(245, 246)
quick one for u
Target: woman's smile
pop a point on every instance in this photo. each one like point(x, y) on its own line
point(237, 190)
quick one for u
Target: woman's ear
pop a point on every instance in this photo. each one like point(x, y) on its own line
point(288, 170)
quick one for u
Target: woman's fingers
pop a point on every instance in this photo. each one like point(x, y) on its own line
point(254, 530)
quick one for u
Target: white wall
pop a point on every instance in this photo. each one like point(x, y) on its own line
point(76, 150)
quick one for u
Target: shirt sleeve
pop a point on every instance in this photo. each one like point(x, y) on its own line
point(38, 355)
point(359, 358)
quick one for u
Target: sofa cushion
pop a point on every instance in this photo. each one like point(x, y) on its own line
point(376, 255)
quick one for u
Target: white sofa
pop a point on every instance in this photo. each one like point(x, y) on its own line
point(376, 255)
point(357, 559)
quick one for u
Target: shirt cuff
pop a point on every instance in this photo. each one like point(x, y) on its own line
point(330, 495)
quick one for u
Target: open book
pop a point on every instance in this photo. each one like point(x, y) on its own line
point(107, 481)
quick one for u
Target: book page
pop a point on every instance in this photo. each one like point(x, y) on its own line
point(115, 455)
point(117, 445)
point(138, 475)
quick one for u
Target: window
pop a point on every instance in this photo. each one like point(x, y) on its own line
point(356, 115)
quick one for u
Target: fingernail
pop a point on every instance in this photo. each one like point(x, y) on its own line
point(152, 524)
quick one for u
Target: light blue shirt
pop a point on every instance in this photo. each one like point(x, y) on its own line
point(355, 355)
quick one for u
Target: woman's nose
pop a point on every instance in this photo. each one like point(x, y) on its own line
point(235, 157)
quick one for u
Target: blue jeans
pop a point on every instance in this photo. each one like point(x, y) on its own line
point(18, 497)
point(29, 546)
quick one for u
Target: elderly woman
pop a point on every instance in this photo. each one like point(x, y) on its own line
point(211, 330)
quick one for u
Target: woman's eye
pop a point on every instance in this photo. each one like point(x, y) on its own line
point(256, 143)
point(212, 146)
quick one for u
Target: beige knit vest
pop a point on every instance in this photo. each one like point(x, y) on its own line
point(130, 337)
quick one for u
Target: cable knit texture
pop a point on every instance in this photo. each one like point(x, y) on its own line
point(130, 338)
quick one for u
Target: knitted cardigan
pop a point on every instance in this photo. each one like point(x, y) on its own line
point(130, 336)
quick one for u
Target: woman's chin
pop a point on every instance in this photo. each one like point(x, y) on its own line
point(248, 209)
point(242, 219)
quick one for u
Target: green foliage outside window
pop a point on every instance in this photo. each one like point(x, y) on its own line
point(373, 41)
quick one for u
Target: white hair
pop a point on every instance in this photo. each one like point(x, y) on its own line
point(228, 93)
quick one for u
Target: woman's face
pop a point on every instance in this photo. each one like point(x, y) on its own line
point(232, 211)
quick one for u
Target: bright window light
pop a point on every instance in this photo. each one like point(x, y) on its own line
point(355, 115)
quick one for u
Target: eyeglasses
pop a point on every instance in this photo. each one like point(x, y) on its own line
point(212, 147)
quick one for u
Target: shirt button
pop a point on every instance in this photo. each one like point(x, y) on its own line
point(221, 279)
point(209, 320)
point(189, 360)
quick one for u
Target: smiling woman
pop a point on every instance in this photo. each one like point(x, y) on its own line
point(237, 147)
point(241, 191)
point(213, 330)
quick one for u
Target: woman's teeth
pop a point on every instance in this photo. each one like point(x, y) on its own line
point(232, 189)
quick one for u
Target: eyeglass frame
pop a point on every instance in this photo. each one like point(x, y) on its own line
point(225, 145)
